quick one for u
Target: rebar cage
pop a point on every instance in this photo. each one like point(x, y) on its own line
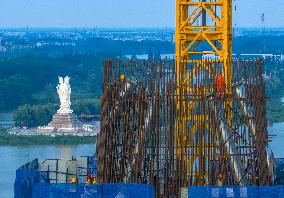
point(142, 136)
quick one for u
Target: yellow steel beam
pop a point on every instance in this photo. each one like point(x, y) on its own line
point(191, 32)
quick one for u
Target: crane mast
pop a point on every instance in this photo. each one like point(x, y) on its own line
point(203, 38)
point(216, 32)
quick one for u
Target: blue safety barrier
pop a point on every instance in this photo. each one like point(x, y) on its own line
point(236, 192)
point(32, 183)
point(90, 191)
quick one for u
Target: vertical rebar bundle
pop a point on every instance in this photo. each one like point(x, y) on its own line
point(142, 134)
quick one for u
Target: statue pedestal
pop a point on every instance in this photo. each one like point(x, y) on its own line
point(66, 124)
point(64, 111)
point(64, 121)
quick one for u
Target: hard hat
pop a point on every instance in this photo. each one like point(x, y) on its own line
point(74, 180)
point(90, 176)
point(122, 77)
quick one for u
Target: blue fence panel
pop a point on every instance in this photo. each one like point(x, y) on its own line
point(128, 191)
point(24, 182)
point(268, 192)
point(236, 192)
point(198, 191)
point(210, 191)
point(281, 191)
point(92, 162)
point(24, 175)
point(30, 182)
point(92, 191)
point(92, 165)
point(66, 190)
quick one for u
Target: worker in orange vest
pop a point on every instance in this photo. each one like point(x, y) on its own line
point(220, 85)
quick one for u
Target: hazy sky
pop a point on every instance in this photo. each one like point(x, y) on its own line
point(122, 13)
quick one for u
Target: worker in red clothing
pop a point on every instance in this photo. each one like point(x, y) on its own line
point(91, 179)
point(220, 85)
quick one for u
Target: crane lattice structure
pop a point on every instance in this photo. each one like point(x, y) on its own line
point(216, 32)
point(194, 32)
point(205, 97)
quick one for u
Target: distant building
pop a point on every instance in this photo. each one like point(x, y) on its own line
point(210, 57)
point(266, 76)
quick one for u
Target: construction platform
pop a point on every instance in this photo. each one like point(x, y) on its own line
point(201, 132)
point(52, 178)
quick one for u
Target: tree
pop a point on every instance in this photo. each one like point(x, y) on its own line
point(86, 106)
point(33, 116)
point(23, 116)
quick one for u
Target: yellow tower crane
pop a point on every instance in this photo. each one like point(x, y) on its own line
point(189, 34)
point(203, 31)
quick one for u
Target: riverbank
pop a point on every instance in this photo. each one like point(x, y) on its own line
point(19, 140)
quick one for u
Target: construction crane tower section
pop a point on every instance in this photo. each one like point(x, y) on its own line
point(204, 28)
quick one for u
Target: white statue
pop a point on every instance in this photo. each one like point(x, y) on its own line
point(64, 92)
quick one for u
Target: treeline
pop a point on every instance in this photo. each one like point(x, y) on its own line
point(33, 79)
point(241, 44)
point(41, 115)
point(125, 47)
point(82, 46)
point(259, 44)
point(274, 90)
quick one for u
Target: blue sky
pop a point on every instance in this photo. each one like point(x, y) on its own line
point(122, 13)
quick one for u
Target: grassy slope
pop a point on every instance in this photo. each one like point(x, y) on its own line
point(15, 140)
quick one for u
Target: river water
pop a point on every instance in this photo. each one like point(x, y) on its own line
point(277, 143)
point(12, 157)
point(6, 119)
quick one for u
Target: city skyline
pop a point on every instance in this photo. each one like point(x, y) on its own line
point(123, 13)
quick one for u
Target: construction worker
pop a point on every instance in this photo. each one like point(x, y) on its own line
point(74, 180)
point(220, 180)
point(220, 85)
point(91, 179)
point(122, 78)
point(94, 181)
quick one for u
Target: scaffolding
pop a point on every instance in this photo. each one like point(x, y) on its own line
point(137, 142)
